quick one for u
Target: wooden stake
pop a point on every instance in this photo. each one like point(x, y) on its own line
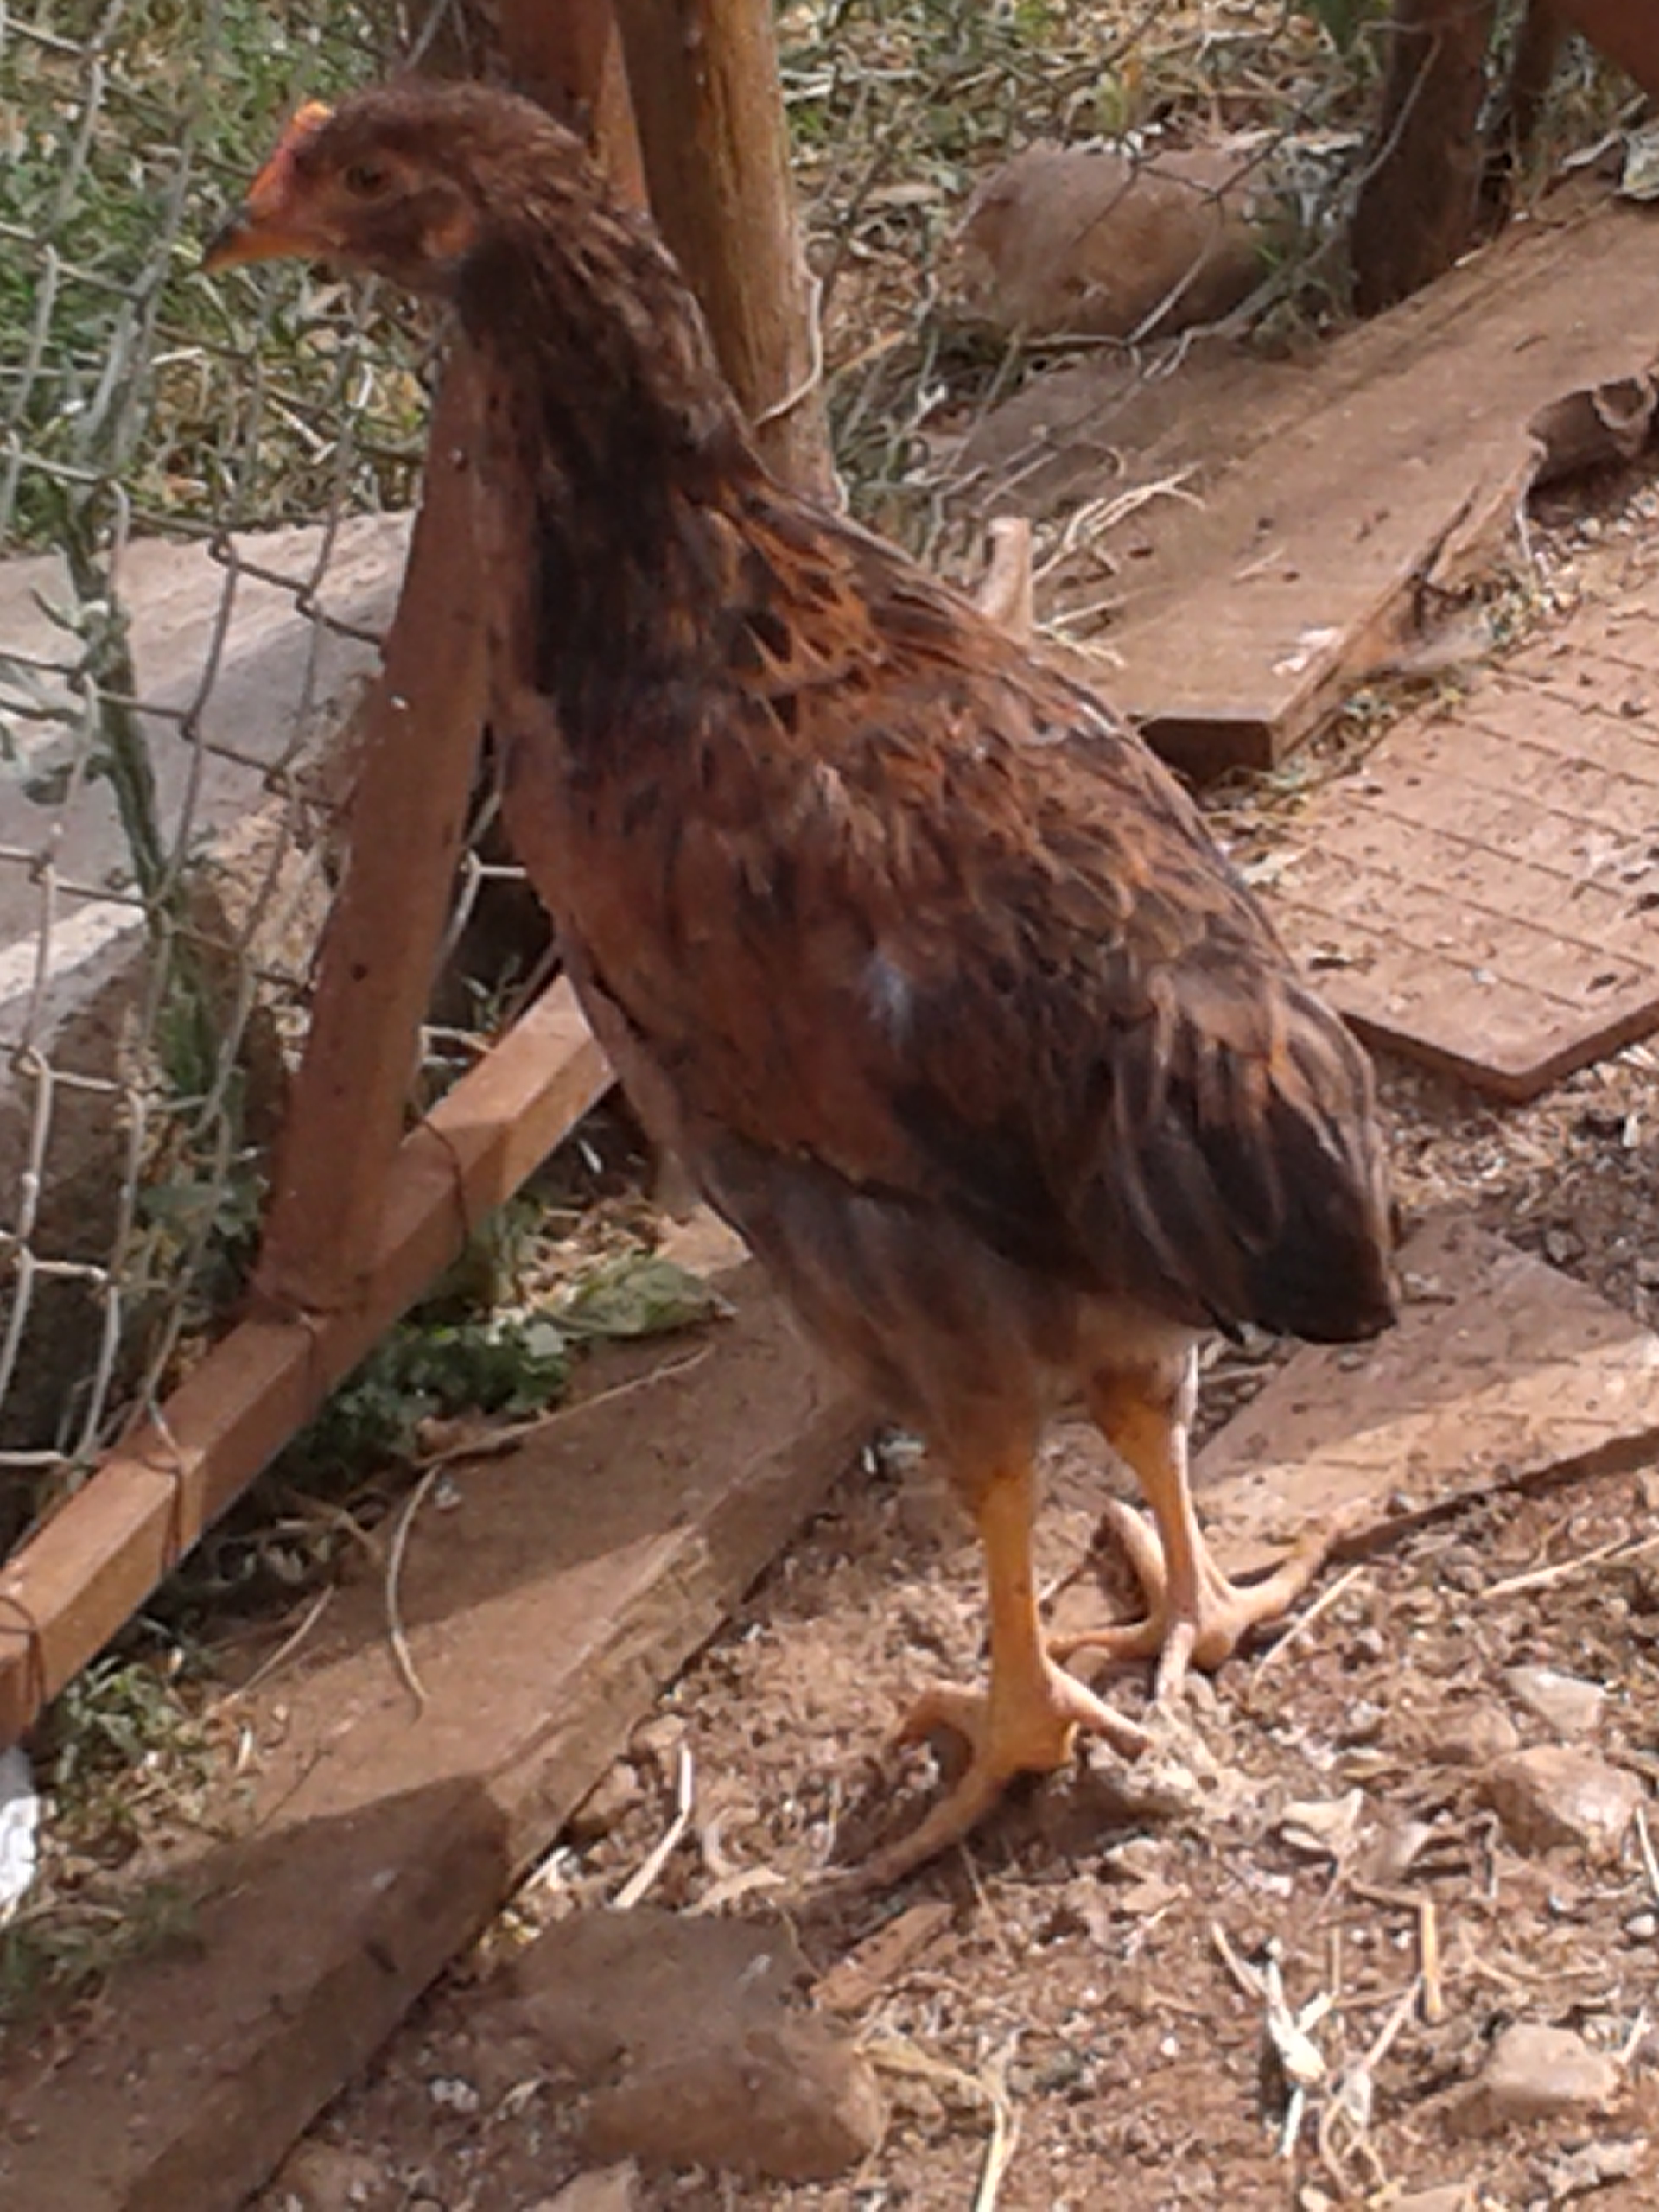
point(420, 734)
point(710, 106)
point(72, 1587)
point(1415, 212)
point(570, 58)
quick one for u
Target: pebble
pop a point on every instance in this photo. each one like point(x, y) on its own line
point(608, 2189)
point(1643, 1925)
point(1538, 2073)
point(659, 1740)
point(690, 2035)
point(1475, 1737)
point(1364, 1723)
point(450, 2093)
point(1554, 1795)
point(324, 2178)
point(1592, 2168)
point(607, 1804)
point(1570, 1707)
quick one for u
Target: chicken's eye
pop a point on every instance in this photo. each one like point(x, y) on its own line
point(365, 179)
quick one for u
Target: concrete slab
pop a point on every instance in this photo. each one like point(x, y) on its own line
point(238, 662)
point(1502, 1372)
point(1482, 892)
point(241, 663)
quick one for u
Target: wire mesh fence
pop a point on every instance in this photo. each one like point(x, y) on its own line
point(199, 496)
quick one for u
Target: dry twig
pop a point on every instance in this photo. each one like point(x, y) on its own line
point(639, 1883)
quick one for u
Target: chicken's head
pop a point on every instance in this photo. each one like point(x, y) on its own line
point(395, 180)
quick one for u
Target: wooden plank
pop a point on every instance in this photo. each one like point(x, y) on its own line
point(1316, 503)
point(1482, 892)
point(73, 1586)
point(1504, 1373)
point(545, 1611)
point(709, 105)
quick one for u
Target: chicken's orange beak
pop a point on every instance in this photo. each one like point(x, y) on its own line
point(271, 224)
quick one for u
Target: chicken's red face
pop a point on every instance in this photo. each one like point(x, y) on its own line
point(353, 189)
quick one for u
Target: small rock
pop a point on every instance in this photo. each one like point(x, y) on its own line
point(1642, 1927)
point(606, 1805)
point(1398, 1847)
point(787, 2100)
point(1322, 1828)
point(325, 2177)
point(1554, 1795)
point(689, 2035)
point(1593, 2167)
point(450, 2093)
point(1476, 1736)
point(1136, 1859)
point(658, 1740)
point(1538, 2073)
point(608, 2189)
point(1569, 1707)
point(1364, 1723)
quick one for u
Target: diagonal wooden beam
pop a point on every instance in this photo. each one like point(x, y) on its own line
point(73, 1586)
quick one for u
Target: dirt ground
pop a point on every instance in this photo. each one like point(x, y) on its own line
point(1085, 2012)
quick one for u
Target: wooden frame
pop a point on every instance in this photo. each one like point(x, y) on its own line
point(363, 1217)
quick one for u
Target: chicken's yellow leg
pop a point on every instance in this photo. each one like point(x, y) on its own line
point(1195, 1616)
point(1027, 1720)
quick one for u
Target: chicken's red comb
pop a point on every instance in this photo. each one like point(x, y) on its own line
point(269, 186)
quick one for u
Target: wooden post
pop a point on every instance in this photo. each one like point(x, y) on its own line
point(421, 726)
point(709, 107)
point(568, 56)
point(1415, 213)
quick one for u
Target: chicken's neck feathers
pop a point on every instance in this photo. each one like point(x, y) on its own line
point(619, 455)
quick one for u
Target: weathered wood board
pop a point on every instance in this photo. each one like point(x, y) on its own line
point(1482, 892)
point(1504, 1372)
point(545, 1611)
point(1309, 506)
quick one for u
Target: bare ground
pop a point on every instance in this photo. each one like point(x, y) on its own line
point(1079, 1986)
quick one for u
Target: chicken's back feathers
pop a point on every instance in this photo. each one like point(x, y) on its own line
point(887, 893)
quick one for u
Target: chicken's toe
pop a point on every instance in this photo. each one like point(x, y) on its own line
point(1017, 1727)
point(1200, 1624)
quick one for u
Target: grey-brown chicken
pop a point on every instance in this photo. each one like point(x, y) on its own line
point(907, 946)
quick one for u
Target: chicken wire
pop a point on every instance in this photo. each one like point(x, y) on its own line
point(201, 496)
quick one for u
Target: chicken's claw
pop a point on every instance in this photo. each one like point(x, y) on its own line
point(1009, 1734)
point(1208, 1628)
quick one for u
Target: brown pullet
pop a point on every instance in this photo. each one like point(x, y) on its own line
point(906, 945)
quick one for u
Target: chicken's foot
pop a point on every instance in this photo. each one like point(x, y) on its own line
point(1027, 1720)
point(1195, 1615)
